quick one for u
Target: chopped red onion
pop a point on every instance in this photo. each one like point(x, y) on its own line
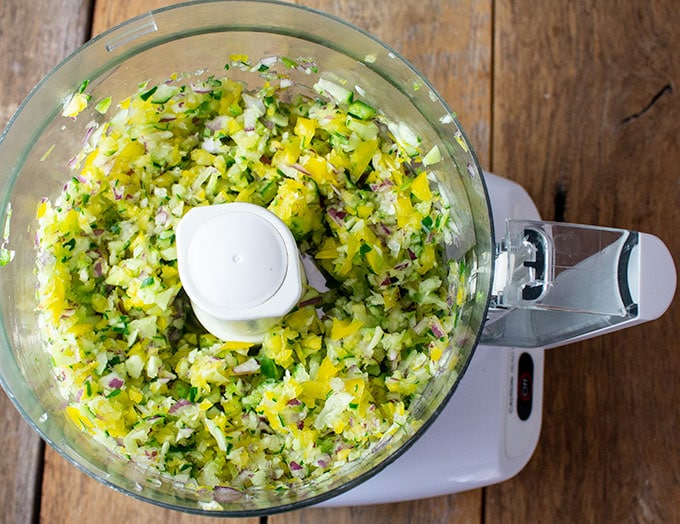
point(89, 130)
point(269, 60)
point(226, 494)
point(436, 329)
point(310, 301)
point(67, 313)
point(217, 123)
point(178, 405)
point(98, 269)
point(162, 217)
point(337, 215)
point(116, 383)
point(118, 192)
point(301, 169)
point(201, 88)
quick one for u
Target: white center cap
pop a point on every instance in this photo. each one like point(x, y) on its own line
point(239, 261)
point(240, 267)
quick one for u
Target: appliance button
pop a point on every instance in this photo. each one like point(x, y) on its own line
point(525, 386)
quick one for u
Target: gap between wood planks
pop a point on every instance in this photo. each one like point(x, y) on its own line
point(37, 489)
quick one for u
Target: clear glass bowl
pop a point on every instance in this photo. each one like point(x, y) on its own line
point(198, 38)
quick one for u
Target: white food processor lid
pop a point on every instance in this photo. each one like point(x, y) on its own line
point(240, 266)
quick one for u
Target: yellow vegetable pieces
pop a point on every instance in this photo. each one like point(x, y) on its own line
point(305, 129)
point(278, 345)
point(360, 158)
point(320, 170)
point(297, 205)
point(333, 378)
point(280, 404)
point(420, 187)
point(285, 345)
point(344, 328)
point(358, 244)
point(319, 387)
point(208, 370)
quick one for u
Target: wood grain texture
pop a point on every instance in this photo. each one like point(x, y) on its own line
point(463, 507)
point(27, 52)
point(108, 13)
point(586, 101)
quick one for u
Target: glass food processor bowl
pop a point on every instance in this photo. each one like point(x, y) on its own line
point(199, 38)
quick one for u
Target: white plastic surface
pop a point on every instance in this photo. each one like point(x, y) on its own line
point(657, 276)
point(240, 266)
point(509, 200)
point(236, 261)
point(651, 273)
point(652, 266)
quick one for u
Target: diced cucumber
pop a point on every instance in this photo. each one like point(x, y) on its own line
point(366, 130)
point(163, 93)
point(103, 105)
point(361, 110)
point(340, 94)
point(432, 157)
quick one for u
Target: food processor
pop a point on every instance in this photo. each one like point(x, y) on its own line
point(535, 285)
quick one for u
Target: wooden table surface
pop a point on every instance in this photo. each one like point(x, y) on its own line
point(577, 101)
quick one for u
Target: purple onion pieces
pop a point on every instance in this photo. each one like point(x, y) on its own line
point(116, 383)
point(178, 405)
point(337, 215)
point(226, 494)
point(437, 329)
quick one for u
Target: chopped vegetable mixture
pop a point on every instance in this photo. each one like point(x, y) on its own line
point(337, 376)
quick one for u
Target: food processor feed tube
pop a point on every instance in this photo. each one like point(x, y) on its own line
point(556, 283)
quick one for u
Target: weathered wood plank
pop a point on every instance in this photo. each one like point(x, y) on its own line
point(30, 44)
point(108, 13)
point(585, 103)
point(463, 507)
